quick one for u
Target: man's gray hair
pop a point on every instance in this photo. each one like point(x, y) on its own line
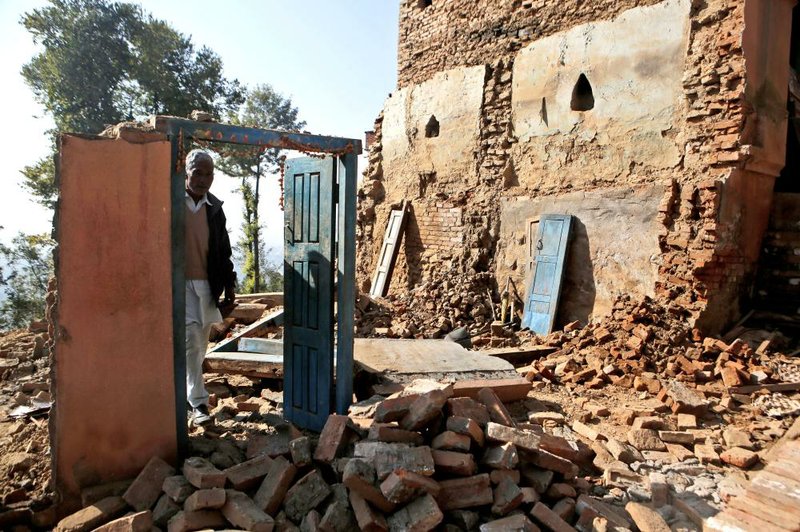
point(195, 156)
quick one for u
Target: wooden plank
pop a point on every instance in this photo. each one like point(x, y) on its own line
point(780, 387)
point(346, 281)
point(249, 364)
point(388, 253)
point(507, 390)
point(264, 346)
point(256, 329)
point(520, 356)
point(270, 299)
point(247, 312)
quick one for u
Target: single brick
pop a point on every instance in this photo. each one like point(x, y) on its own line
point(550, 519)
point(391, 457)
point(559, 490)
point(425, 409)
point(202, 474)
point(394, 409)
point(454, 463)
point(359, 477)
point(241, 511)
point(517, 523)
point(465, 492)
point(468, 427)
point(402, 486)
point(187, 521)
point(164, 510)
point(136, 522)
point(333, 439)
point(146, 488)
point(93, 516)
point(507, 497)
point(300, 449)
point(498, 475)
point(368, 520)
point(501, 456)
point(207, 499)
point(248, 474)
point(538, 479)
point(451, 441)
point(420, 515)
point(524, 439)
point(468, 408)
point(338, 518)
point(393, 434)
point(310, 522)
point(742, 458)
point(177, 488)
point(305, 495)
point(646, 519)
point(93, 494)
point(497, 410)
point(555, 463)
point(275, 485)
point(565, 508)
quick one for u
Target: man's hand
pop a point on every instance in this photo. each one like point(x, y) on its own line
point(229, 302)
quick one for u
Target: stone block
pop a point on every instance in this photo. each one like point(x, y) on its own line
point(202, 474)
point(454, 463)
point(205, 499)
point(248, 474)
point(420, 515)
point(241, 511)
point(93, 516)
point(273, 489)
point(467, 492)
point(146, 488)
point(305, 495)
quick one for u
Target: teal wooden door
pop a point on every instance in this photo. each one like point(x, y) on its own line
point(309, 203)
point(550, 251)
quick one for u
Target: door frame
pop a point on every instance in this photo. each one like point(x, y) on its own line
point(181, 132)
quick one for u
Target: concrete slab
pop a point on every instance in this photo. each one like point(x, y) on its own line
point(379, 355)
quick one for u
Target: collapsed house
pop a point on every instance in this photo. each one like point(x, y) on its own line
point(661, 127)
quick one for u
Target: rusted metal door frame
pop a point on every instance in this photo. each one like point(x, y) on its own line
point(181, 132)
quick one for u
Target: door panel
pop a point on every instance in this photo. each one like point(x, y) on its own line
point(308, 274)
point(549, 255)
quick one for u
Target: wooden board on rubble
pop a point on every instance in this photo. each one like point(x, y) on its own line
point(255, 365)
point(266, 346)
point(518, 356)
point(256, 329)
point(384, 355)
point(507, 390)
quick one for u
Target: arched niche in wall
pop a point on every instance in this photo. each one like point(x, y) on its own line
point(432, 127)
point(582, 95)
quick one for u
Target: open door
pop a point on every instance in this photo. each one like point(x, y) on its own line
point(549, 255)
point(310, 203)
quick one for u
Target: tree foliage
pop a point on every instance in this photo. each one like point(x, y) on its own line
point(267, 109)
point(103, 62)
point(27, 266)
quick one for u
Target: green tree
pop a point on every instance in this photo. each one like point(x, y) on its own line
point(103, 62)
point(27, 267)
point(264, 108)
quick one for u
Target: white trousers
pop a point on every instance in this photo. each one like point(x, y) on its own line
point(201, 313)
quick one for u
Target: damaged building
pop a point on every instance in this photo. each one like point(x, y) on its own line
point(660, 127)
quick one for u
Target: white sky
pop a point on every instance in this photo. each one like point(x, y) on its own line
point(336, 59)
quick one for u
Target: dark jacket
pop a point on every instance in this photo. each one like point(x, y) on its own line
point(220, 266)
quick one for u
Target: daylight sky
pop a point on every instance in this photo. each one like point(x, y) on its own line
point(336, 59)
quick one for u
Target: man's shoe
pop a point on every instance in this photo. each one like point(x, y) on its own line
point(200, 415)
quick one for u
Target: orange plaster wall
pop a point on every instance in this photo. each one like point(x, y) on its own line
point(114, 387)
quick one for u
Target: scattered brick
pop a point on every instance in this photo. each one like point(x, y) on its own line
point(507, 497)
point(706, 454)
point(211, 498)
point(393, 434)
point(359, 477)
point(646, 440)
point(300, 451)
point(497, 410)
point(136, 522)
point(498, 475)
point(550, 519)
point(402, 486)
point(503, 456)
point(275, 485)
point(391, 457)
point(333, 439)
point(673, 436)
point(739, 457)
point(560, 490)
point(93, 516)
point(426, 408)
point(538, 479)
point(202, 519)
point(517, 522)
point(468, 408)
point(524, 439)
point(241, 511)
point(178, 488)
point(465, 492)
point(368, 520)
point(454, 463)
point(305, 495)
point(468, 427)
point(394, 409)
point(646, 519)
point(338, 518)
point(421, 514)
point(565, 509)
point(164, 510)
point(202, 474)
point(451, 441)
point(248, 474)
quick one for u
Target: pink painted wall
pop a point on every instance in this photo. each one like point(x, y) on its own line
point(113, 371)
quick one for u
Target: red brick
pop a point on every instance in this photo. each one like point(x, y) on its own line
point(402, 486)
point(211, 498)
point(202, 519)
point(550, 519)
point(359, 477)
point(507, 497)
point(391, 457)
point(524, 439)
point(646, 519)
point(555, 463)
point(508, 390)
point(305, 495)
point(394, 409)
point(424, 410)
point(241, 511)
point(454, 463)
point(739, 457)
point(615, 516)
point(517, 522)
point(202, 474)
point(93, 494)
point(538, 479)
point(146, 489)
point(177, 488)
point(248, 474)
point(468, 408)
point(368, 520)
point(300, 450)
point(137, 522)
point(420, 515)
point(468, 427)
point(275, 485)
point(559, 490)
point(93, 516)
point(501, 456)
point(333, 439)
point(393, 434)
point(498, 475)
point(164, 510)
point(497, 410)
point(560, 447)
point(565, 509)
point(338, 517)
point(529, 495)
point(451, 441)
point(465, 492)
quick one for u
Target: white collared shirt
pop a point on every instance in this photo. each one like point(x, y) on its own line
point(194, 207)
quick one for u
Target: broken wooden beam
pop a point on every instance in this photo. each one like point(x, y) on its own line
point(273, 319)
point(780, 387)
point(255, 365)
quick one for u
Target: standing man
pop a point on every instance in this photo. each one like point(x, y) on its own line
point(209, 273)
